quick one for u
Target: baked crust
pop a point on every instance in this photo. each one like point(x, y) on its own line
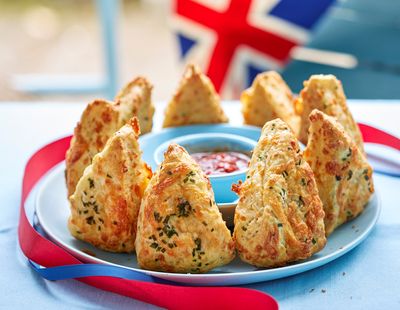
point(279, 217)
point(180, 228)
point(195, 101)
point(343, 175)
point(100, 120)
point(269, 97)
point(135, 98)
point(325, 93)
point(106, 202)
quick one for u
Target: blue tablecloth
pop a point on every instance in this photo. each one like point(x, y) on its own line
point(366, 278)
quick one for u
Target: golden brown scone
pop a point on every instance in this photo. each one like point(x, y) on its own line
point(343, 175)
point(135, 98)
point(325, 93)
point(195, 101)
point(269, 97)
point(100, 120)
point(105, 205)
point(279, 217)
point(180, 228)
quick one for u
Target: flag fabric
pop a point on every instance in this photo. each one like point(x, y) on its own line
point(234, 40)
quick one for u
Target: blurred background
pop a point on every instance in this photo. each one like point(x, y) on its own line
point(46, 40)
point(73, 50)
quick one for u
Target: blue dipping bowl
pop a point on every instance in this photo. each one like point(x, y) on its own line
point(211, 142)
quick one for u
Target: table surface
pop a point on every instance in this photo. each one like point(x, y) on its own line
point(365, 278)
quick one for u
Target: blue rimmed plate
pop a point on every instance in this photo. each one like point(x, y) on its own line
point(53, 211)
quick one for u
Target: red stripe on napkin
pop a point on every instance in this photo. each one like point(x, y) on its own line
point(374, 135)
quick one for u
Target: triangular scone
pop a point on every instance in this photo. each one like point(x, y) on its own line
point(180, 228)
point(98, 123)
point(269, 97)
point(343, 175)
point(105, 205)
point(325, 93)
point(279, 217)
point(195, 101)
point(135, 98)
point(100, 120)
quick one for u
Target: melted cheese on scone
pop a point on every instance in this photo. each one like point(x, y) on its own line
point(279, 217)
point(100, 120)
point(106, 202)
point(343, 175)
point(325, 93)
point(180, 228)
point(195, 101)
point(269, 97)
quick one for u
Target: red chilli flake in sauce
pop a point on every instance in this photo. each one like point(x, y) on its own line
point(214, 163)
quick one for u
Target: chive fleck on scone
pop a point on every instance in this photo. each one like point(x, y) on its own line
point(180, 228)
point(195, 101)
point(106, 202)
point(279, 217)
point(100, 120)
point(269, 97)
point(325, 93)
point(135, 98)
point(343, 175)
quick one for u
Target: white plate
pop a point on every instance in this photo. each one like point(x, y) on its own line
point(53, 211)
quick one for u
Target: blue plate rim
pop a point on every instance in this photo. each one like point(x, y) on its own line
point(225, 277)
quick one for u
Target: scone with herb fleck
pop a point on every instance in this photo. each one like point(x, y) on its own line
point(100, 120)
point(135, 98)
point(325, 93)
point(180, 228)
point(343, 175)
point(279, 217)
point(269, 97)
point(195, 101)
point(106, 202)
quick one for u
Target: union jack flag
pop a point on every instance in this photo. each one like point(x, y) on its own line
point(234, 40)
